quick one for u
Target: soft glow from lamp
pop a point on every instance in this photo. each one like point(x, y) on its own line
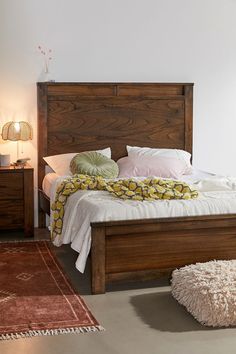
point(16, 131)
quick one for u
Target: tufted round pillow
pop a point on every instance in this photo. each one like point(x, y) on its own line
point(93, 163)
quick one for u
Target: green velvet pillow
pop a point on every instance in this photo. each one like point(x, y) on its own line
point(93, 163)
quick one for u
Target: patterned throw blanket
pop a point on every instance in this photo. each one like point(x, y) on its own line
point(140, 190)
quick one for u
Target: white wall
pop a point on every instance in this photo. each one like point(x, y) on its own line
point(126, 40)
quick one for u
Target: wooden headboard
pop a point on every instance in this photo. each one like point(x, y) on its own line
point(74, 117)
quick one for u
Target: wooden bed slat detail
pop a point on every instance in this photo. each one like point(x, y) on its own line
point(222, 217)
point(78, 98)
point(138, 275)
point(98, 261)
point(149, 90)
point(170, 224)
point(168, 249)
point(116, 89)
point(81, 90)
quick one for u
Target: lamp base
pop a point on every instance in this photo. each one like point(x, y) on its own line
point(5, 160)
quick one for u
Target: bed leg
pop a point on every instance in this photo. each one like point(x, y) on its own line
point(41, 218)
point(98, 260)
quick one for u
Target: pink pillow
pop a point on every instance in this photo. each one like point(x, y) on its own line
point(144, 166)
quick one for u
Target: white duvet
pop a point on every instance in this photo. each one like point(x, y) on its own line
point(217, 196)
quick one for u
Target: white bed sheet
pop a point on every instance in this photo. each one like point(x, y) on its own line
point(84, 207)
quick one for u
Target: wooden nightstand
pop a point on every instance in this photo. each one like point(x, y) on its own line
point(17, 199)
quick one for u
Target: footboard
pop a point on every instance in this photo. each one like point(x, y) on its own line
point(145, 249)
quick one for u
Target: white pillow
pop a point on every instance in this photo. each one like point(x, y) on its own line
point(173, 153)
point(61, 163)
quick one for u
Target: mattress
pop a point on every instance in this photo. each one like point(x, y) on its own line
point(84, 207)
point(48, 182)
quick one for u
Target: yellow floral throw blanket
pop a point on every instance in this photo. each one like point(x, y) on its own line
point(140, 190)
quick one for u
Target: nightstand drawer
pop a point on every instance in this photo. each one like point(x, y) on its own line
point(12, 214)
point(11, 185)
point(17, 199)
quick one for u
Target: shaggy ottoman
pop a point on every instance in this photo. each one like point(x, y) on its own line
point(208, 291)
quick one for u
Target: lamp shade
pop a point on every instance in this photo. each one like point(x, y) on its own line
point(17, 131)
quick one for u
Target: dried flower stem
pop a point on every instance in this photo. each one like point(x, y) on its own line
point(47, 57)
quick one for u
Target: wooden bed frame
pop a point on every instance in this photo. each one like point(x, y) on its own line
point(74, 117)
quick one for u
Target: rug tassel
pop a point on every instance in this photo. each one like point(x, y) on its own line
point(51, 332)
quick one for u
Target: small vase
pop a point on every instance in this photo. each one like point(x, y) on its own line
point(46, 75)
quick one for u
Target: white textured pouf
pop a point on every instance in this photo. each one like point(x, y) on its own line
point(208, 291)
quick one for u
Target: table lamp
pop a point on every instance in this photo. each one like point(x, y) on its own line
point(16, 131)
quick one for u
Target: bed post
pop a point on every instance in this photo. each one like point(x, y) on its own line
point(42, 143)
point(98, 260)
point(188, 130)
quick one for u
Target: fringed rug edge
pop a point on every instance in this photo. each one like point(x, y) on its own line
point(51, 332)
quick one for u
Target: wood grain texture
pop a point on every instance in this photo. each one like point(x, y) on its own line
point(98, 250)
point(17, 199)
point(44, 202)
point(164, 224)
point(75, 117)
point(80, 89)
point(138, 275)
point(144, 249)
point(28, 203)
point(113, 122)
point(148, 90)
point(11, 185)
point(12, 214)
point(42, 103)
point(168, 249)
point(188, 93)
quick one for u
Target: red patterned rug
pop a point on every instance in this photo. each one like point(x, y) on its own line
point(36, 298)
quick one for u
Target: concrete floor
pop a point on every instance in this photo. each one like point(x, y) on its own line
point(139, 318)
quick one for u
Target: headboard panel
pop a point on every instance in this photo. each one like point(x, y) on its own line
point(74, 117)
